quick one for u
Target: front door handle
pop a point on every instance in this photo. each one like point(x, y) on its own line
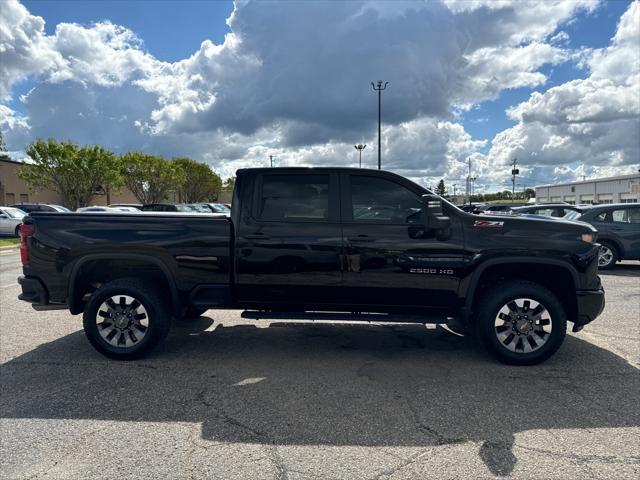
point(360, 238)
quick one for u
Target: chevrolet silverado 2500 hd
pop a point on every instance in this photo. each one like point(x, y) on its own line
point(369, 244)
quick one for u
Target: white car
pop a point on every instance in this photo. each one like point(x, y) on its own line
point(10, 220)
point(94, 209)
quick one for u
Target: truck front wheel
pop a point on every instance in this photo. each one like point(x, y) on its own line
point(521, 323)
point(125, 319)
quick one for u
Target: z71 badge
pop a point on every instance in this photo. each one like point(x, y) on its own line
point(488, 223)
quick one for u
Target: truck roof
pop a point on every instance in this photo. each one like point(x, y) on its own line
point(312, 169)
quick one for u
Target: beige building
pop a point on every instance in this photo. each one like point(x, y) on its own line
point(620, 189)
point(13, 190)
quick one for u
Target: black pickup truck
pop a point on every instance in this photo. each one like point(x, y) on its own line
point(324, 243)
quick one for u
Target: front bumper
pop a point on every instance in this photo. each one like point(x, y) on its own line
point(590, 305)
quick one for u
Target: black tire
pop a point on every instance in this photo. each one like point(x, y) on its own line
point(156, 314)
point(613, 258)
point(17, 231)
point(193, 313)
point(546, 344)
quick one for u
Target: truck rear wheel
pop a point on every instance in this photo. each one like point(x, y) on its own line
point(521, 323)
point(125, 319)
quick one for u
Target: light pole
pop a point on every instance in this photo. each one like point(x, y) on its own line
point(455, 186)
point(271, 160)
point(360, 147)
point(378, 88)
point(514, 172)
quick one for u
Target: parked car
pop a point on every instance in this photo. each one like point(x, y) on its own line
point(136, 206)
point(493, 209)
point(304, 240)
point(40, 207)
point(95, 209)
point(471, 207)
point(166, 207)
point(217, 208)
point(10, 220)
point(126, 209)
point(618, 228)
point(548, 210)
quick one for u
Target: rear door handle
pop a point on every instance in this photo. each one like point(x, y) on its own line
point(360, 238)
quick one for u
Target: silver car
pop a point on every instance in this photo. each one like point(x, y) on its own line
point(10, 220)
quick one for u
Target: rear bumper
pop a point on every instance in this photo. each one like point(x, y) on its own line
point(590, 305)
point(34, 292)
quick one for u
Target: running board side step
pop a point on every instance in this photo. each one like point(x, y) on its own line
point(344, 316)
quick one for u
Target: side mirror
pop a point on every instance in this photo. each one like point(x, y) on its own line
point(2, 215)
point(434, 217)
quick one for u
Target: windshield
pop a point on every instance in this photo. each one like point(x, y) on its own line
point(572, 215)
point(13, 212)
point(60, 208)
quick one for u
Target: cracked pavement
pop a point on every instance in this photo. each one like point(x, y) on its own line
point(227, 398)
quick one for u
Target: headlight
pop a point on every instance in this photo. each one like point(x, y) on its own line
point(587, 237)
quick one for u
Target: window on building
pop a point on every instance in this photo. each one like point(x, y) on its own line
point(11, 198)
point(24, 198)
point(294, 197)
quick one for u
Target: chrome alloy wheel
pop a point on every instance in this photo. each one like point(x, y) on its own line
point(605, 256)
point(523, 325)
point(122, 321)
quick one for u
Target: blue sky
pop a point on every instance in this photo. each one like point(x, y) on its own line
point(293, 78)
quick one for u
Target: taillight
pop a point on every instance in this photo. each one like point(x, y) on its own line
point(26, 230)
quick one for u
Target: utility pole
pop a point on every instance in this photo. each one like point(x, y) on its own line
point(455, 186)
point(378, 88)
point(514, 172)
point(468, 192)
point(271, 160)
point(360, 147)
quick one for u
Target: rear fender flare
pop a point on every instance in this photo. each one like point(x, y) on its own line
point(75, 306)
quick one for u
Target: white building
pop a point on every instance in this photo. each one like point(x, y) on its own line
point(621, 189)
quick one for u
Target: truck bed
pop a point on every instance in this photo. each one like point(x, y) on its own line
point(191, 249)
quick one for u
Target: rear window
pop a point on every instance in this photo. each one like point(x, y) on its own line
point(294, 198)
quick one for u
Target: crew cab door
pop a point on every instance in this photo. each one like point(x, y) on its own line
point(289, 244)
point(387, 262)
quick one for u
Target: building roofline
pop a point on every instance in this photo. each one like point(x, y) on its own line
point(15, 162)
point(593, 180)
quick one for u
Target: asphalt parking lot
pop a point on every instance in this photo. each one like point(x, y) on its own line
point(226, 398)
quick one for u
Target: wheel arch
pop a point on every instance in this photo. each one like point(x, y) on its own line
point(560, 278)
point(614, 242)
point(120, 265)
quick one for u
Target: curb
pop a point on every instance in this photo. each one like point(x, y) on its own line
point(9, 248)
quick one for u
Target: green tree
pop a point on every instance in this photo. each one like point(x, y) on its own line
point(529, 193)
point(74, 173)
point(441, 189)
point(150, 178)
point(3, 148)
point(200, 182)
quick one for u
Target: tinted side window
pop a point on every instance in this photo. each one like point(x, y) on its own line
point(294, 198)
point(634, 215)
point(377, 199)
point(602, 217)
point(620, 216)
